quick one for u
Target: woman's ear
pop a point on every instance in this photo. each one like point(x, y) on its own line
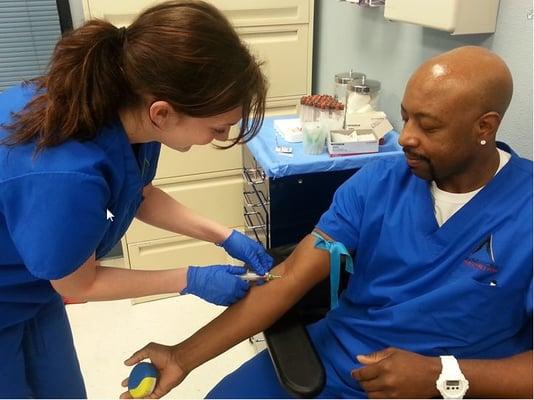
point(159, 113)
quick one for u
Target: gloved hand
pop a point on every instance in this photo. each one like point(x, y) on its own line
point(217, 284)
point(251, 252)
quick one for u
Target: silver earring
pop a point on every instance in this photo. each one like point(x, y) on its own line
point(483, 142)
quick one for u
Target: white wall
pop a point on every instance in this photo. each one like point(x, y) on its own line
point(349, 36)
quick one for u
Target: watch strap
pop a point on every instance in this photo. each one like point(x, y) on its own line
point(450, 366)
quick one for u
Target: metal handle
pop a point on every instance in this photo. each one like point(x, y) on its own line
point(253, 180)
point(248, 220)
point(249, 227)
point(265, 201)
point(251, 213)
point(249, 203)
point(254, 227)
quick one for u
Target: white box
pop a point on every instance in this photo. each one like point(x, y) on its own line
point(350, 147)
point(459, 17)
point(375, 120)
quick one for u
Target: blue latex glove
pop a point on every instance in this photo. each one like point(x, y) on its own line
point(249, 251)
point(217, 284)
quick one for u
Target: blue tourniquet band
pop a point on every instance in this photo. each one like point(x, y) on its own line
point(336, 250)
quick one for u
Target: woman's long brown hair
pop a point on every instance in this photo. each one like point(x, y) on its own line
point(182, 52)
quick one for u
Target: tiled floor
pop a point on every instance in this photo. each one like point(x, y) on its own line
point(106, 333)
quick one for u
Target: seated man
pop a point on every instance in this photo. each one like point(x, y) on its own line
point(442, 244)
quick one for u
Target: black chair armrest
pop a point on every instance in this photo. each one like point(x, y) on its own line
point(294, 358)
point(295, 361)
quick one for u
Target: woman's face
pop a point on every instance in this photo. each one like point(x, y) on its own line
point(180, 132)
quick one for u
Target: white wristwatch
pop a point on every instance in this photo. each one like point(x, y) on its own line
point(451, 382)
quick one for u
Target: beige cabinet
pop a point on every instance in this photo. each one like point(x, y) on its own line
point(279, 33)
point(240, 12)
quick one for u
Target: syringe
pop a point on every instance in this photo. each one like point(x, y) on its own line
point(252, 277)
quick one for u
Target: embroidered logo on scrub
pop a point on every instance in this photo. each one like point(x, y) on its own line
point(482, 258)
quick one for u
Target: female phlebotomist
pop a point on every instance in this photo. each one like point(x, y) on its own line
point(82, 143)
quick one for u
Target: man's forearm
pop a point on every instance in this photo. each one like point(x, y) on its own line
point(259, 309)
point(508, 377)
point(162, 211)
point(237, 323)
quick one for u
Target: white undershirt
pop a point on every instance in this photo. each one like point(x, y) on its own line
point(446, 204)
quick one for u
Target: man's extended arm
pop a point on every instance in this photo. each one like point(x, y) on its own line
point(258, 310)
point(265, 304)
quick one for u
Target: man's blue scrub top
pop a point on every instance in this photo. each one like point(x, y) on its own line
point(53, 206)
point(464, 288)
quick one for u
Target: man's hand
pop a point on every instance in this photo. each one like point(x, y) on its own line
point(170, 373)
point(395, 373)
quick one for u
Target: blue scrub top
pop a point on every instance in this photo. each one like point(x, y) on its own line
point(53, 206)
point(464, 288)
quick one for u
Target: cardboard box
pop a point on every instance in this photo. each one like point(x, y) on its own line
point(366, 142)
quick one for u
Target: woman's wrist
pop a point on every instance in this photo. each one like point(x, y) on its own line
point(180, 279)
point(223, 234)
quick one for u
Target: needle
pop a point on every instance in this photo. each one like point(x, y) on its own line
point(251, 276)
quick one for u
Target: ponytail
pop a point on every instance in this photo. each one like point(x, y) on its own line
point(83, 90)
point(184, 52)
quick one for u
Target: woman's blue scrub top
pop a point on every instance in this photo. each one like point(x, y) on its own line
point(54, 206)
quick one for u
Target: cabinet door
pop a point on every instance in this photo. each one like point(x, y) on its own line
point(220, 199)
point(240, 12)
point(119, 13)
point(174, 253)
point(285, 52)
point(198, 160)
point(279, 107)
point(264, 12)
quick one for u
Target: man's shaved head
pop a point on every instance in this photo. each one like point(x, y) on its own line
point(479, 76)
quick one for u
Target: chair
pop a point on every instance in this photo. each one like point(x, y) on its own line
point(294, 358)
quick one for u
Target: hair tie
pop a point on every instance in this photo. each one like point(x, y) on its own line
point(121, 34)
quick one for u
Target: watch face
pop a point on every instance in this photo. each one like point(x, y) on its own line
point(454, 388)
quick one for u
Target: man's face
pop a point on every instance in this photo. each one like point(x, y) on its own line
point(438, 136)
